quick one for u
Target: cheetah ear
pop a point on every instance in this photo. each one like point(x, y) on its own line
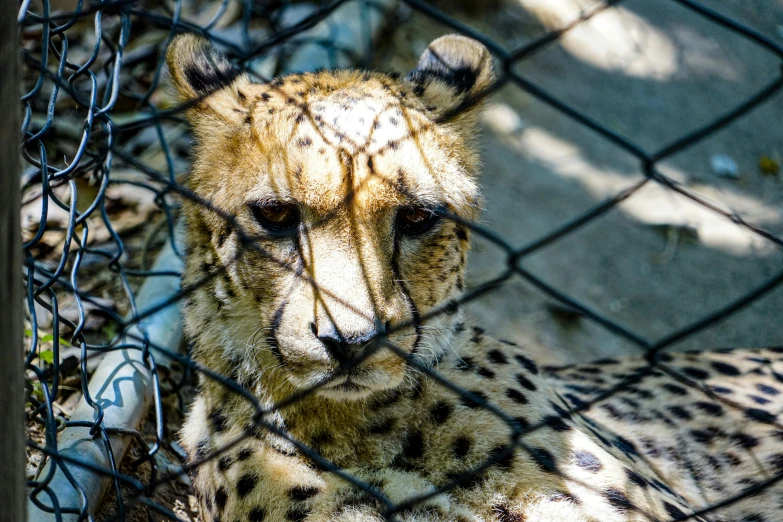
point(203, 76)
point(452, 74)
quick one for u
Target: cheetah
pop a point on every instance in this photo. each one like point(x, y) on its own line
point(329, 217)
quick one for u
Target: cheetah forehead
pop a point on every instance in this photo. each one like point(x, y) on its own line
point(322, 139)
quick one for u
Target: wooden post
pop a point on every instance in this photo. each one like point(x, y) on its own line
point(13, 489)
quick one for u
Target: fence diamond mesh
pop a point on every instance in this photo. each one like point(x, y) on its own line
point(106, 152)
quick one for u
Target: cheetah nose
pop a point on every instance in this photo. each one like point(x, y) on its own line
point(346, 349)
point(341, 352)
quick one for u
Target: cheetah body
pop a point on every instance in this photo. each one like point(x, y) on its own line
point(438, 422)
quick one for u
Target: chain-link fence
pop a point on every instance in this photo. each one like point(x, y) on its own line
point(106, 149)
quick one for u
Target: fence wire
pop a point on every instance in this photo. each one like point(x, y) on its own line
point(105, 151)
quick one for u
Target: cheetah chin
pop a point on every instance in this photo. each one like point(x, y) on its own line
point(328, 227)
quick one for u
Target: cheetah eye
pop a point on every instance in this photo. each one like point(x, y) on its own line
point(277, 217)
point(413, 221)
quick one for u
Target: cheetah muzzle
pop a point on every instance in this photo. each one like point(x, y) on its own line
point(328, 228)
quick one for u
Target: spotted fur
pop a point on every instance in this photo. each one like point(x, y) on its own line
point(349, 149)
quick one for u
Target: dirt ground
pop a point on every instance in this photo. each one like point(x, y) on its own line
point(652, 72)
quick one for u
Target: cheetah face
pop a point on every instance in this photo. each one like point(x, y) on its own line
point(339, 208)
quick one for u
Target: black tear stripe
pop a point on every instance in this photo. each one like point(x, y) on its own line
point(277, 318)
point(210, 72)
point(271, 339)
point(405, 292)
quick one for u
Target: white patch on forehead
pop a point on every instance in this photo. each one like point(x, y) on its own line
point(358, 123)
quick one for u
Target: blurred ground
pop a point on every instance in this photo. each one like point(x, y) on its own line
point(652, 72)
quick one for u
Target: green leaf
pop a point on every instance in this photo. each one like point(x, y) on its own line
point(47, 356)
point(109, 331)
point(49, 338)
point(38, 391)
